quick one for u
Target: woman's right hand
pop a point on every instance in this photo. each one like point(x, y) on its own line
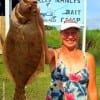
point(30, 1)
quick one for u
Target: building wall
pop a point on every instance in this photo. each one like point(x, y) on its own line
point(2, 32)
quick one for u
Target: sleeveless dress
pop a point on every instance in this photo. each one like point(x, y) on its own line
point(66, 85)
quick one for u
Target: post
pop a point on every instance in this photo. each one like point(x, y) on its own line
point(8, 9)
point(84, 28)
point(3, 90)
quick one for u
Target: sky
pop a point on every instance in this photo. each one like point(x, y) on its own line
point(93, 14)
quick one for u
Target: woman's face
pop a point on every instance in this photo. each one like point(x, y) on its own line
point(70, 37)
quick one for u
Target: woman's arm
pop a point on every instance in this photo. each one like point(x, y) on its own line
point(92, 89)
point(51, 58)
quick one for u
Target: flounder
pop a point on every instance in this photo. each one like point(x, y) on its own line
point(25, 47)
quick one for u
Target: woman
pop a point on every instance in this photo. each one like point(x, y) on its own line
point(73, 72)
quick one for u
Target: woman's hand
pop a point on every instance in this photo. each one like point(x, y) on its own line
point(31, 1)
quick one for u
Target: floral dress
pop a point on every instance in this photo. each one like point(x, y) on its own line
point(66, 85)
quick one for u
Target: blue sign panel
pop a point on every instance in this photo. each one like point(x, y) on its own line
point(56, 11)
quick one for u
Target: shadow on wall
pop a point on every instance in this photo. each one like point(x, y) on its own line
point(2, 6)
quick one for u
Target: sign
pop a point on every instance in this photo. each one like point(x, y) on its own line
point(56, 11)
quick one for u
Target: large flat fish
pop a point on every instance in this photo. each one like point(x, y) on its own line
point(25, 46)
